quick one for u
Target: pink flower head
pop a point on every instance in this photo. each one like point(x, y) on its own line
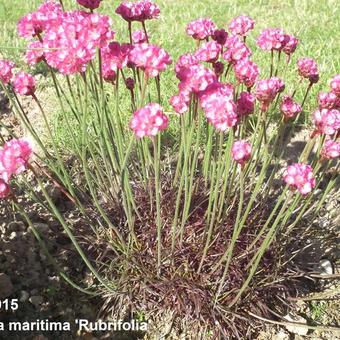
point(139, 37)
point(271, 39)
point(335, 84)
point(196, 78)
point(180, 102)
point(290, 44)
point(218, 67)
point(14, 157)
point(267, 90)
point(241, 25)
point(236, 50)
point(201, 29)
point(327, 100)
point(24, 84)
point(149, 120)
point(150, 58)
point(327, 121)
point(34, 53)
point(130, 83)
point(90, 4)
point(246, 72)
point(138, 11)
point(308, 68)
point(245, 104)
point(218, 105)
point(241, 151)
point(72, 44)
point(115, 56)
point(330, 150)
point(109, 72)
point(47, 15)
point(6, 71)
point(183, 64)
point(289, 107)
point(220, 36)
point(209, 52)
point(4, 189)
point(300, 176)
point(29, 26)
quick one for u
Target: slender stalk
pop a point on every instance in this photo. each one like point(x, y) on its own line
point(145, 31)
point(271, 63)
point(48, 254)
point(278, 63)
point(158, 202)
point(236, 232)
point(259, 254)
point(240, 224)
point(69, 233)
point(130, 32)
point(192, 172)
point(306, 94)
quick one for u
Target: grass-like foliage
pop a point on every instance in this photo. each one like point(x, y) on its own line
point(177, 209)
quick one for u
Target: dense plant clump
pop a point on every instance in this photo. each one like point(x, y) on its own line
point(183, 220)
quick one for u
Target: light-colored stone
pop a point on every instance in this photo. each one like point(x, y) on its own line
point(280, 336)
point(24, 296)
point(36, 300)
point(296, 329)
point(325, 267)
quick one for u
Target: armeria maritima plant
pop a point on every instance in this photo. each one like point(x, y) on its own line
point(184, 221)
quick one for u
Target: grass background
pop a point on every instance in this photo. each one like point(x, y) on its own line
point(315, 22)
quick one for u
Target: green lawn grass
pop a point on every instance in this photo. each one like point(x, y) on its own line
point(314, 22)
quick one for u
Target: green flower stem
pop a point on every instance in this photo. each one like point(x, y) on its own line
point(271, 63)
point(69, 233)
point(230, 190)
point(316, 157)
point(268, 221)
point(84, 147)
point(187, 135)
point(225, 176)
point(264, 129)
point(177, 208)
point(64, 177)
point(158, 87)
point(218, 165)
point(307, 150)
point(143, 93)
point(207, 154)
point(236, 232)
point(158, 194)
point(181, 151)
point(192, 170)
point(214, 194)
point(306, 94)
point(334, 182)
point(256, 154)
point(74, 102)
point(213, 181)
point(259, 254)
point(238, 226)
point(278, 63)
point(208, 232)
point(128, 199)
point(227, 70)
